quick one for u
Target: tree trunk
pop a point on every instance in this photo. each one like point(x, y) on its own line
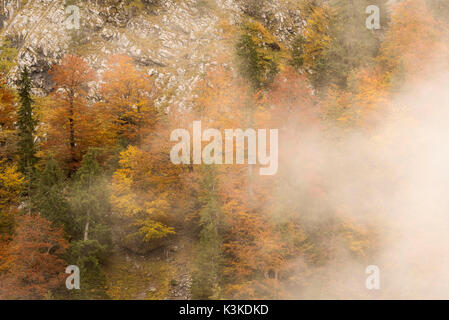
point(86, 231)
point(72, 133)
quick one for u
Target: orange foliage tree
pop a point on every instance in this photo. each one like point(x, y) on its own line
point(11, 187)
point(250, 244)
point(413, 40)
point(128, 110)
point(290, 102)
point(143, 199)
point(71, 123)
point(33, 265)
point(7, 120)
point(414, 44)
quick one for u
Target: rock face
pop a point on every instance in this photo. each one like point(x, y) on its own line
point(175, 41)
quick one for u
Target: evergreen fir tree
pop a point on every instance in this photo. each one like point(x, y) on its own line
point(50, 201)
point(89, 199)
point(353, 45)
point(26, 124)
point(206, 277)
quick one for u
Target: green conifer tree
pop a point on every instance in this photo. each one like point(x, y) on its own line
point(26, 124)
point(89, 199)
point(50, 200)
point(336, 41)
point(206, 277)
point(26, 130)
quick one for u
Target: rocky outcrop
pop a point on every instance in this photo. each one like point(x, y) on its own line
point(175, 41)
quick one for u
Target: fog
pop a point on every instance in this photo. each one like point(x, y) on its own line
point(393, 183)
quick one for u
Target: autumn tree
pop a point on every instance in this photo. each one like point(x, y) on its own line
point(413, 40)
point(259, 54)
point(11, 187)
point(310, 47)
point(71, 124)
point(141, 201)
point(291, 102)
point(128, 95)
point(7, 121)
point(251, 247)
point(34, 266)
point(335, 41)
point(228, 214)
point(405, 55)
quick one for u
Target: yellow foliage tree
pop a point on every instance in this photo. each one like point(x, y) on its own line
point(138, 201)
point(11, 185)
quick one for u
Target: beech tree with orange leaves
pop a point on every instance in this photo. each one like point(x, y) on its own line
point(291, 101)
point(127, 107)
point(71, 123)
point(7, 120)
point(34, 264)
point(413, 40)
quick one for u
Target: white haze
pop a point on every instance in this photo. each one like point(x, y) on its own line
point(396, 182)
